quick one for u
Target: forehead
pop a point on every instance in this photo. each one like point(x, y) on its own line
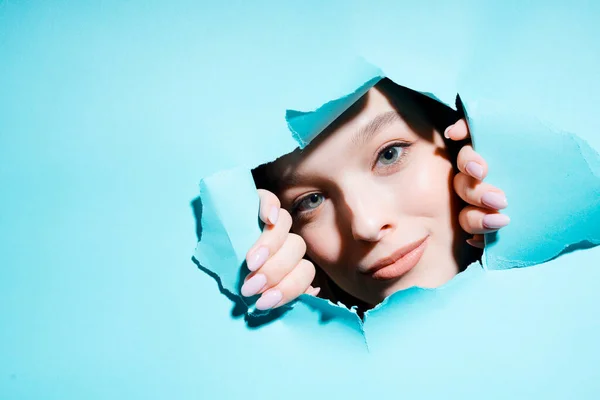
point(373, 111)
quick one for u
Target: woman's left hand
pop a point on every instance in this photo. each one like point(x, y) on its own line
point(482, 214)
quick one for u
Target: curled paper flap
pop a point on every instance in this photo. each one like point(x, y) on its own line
point(357, 78)
point(552, 181)
point(229, 225)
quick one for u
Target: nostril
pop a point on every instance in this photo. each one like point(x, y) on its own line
point(384, 230)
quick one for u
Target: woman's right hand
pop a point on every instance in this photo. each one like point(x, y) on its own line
point(278, 270)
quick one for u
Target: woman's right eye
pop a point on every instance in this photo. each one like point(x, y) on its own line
point(309, 202)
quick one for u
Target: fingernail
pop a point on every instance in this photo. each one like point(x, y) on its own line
point(495, 200)
point(273, 215)
point(254, 285)
point(476, 243)
point(315, 291)
point(447, 131)
point(474, 169)
point(258, 258)
point(269, 299)
point(495, 221)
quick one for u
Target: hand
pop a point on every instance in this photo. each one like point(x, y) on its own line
point(278, 269)
point(481, 215)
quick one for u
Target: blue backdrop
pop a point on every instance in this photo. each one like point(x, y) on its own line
point(112, 111)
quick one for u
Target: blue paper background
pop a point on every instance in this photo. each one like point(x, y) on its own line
point(110, 112)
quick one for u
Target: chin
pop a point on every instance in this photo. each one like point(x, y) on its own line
point(424, 276)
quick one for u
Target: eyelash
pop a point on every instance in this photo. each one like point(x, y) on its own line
point(306, 214)
point(296, 213)
point(404, 145)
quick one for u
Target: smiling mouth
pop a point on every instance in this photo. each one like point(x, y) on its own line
point(399, 263)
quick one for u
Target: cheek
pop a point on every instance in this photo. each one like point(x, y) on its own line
point(323, 239)
point(431, 185)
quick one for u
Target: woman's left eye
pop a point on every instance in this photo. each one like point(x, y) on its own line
point(390, 155)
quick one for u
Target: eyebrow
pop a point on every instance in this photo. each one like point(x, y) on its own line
point(291, 180)
point(360, 138)
point(364, 134)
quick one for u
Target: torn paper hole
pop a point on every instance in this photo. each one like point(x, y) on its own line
point(230, 225)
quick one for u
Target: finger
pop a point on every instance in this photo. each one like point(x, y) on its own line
point(292, 286)
point(269, 207)
point(478, 193)
point(276, 267)
point(458, 131)
point(471, 163)
point(270, 241)
point(476, 220)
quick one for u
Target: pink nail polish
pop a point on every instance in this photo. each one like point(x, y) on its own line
point(495, 221)
point(254, 285)
point(273, 215)
point(475, 170)
point(494, 200)
point(269, 299)
point(258, 258)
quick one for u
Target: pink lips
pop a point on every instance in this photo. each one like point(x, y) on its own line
point(399, 263)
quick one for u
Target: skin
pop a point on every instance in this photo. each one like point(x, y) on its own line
point(351, 201)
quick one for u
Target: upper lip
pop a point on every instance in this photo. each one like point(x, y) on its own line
point(395, 256)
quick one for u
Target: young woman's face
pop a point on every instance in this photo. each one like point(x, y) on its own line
point(373, 200)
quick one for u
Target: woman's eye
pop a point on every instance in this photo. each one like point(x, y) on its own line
point(390, 155)
point(309, 202)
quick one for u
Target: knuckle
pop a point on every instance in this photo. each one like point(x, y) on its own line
point(262, 193)
point(470, 184)
point(310, 269)
point(468, 150)
point(463, 221)
point(462, 186)
point(268, 198)
point(274, 200)
point(297, 241)
point(460, 182)
point(460, 158)
point(299, 281)
point(307, 265)
point(468, 219)
point(466, 153)
point(285, 217)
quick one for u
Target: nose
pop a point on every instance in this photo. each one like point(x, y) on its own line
point(369, 215)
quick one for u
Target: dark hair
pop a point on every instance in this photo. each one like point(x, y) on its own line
point(433, 111)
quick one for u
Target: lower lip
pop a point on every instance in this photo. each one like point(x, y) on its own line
point(402, 266)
